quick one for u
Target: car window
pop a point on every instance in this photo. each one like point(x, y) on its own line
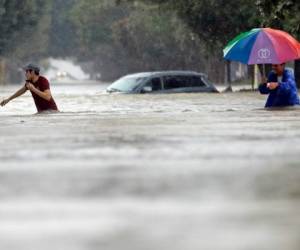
point(196, 81)
point(155, 84)
point(127, 83)
point(173, 82)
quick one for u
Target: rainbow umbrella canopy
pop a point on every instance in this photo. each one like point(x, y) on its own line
point(263, 46)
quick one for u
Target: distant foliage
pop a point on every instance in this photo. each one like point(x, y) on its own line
point(116, 37)
point(16, 18)
point(132, 37)
point(281, 14)
point(213, 21)
point(62, 36)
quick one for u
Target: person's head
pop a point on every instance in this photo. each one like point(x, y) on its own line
point(278, 68)
point(31, 71)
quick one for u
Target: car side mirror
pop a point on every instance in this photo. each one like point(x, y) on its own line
point(146, 89)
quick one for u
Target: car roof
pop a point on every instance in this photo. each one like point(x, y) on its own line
point(163, 73)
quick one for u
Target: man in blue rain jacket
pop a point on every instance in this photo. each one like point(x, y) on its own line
point(281, 87)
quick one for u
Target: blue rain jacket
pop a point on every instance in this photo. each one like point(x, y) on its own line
point(285, 94)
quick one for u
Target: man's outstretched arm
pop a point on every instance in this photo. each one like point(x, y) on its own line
point(20, 92)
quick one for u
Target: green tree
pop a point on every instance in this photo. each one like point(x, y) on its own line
point(281, 14)
point(132, 37)
point(62, 35)
point(214, 21)
point(18, 17)
point(94, 21)
point(23, 25)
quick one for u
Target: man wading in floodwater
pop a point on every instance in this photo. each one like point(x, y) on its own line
point(281, 87)
point(39, 88)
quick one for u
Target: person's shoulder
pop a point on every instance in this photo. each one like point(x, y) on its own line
point(43, 83)
point(43, 79)
point(289, 70)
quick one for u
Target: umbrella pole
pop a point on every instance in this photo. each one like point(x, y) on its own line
point(264, 71)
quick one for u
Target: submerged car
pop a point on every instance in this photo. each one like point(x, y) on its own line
point(163, 82)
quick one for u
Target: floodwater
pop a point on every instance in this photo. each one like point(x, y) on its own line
point(149, 172)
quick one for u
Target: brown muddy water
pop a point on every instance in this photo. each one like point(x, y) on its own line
point(149, 172)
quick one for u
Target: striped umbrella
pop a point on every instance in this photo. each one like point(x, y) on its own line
point(263, 46)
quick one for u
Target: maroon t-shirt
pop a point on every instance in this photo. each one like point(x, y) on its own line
point(41, 104)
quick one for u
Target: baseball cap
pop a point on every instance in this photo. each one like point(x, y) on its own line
point(32, 67)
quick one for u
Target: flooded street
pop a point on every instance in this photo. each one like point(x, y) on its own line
point(149, 172)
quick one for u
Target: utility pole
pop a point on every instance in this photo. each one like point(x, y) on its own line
point(297, 72)
point(2, 71)
point(228, 76)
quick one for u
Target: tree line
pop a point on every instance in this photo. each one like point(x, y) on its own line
point(116, 37)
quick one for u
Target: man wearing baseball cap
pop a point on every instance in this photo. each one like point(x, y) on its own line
point(39, 88)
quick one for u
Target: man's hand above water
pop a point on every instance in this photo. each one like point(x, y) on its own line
point(4, 102)
point(264, 79)
point(46, 94)
point(29, 86)
point(272, 85)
